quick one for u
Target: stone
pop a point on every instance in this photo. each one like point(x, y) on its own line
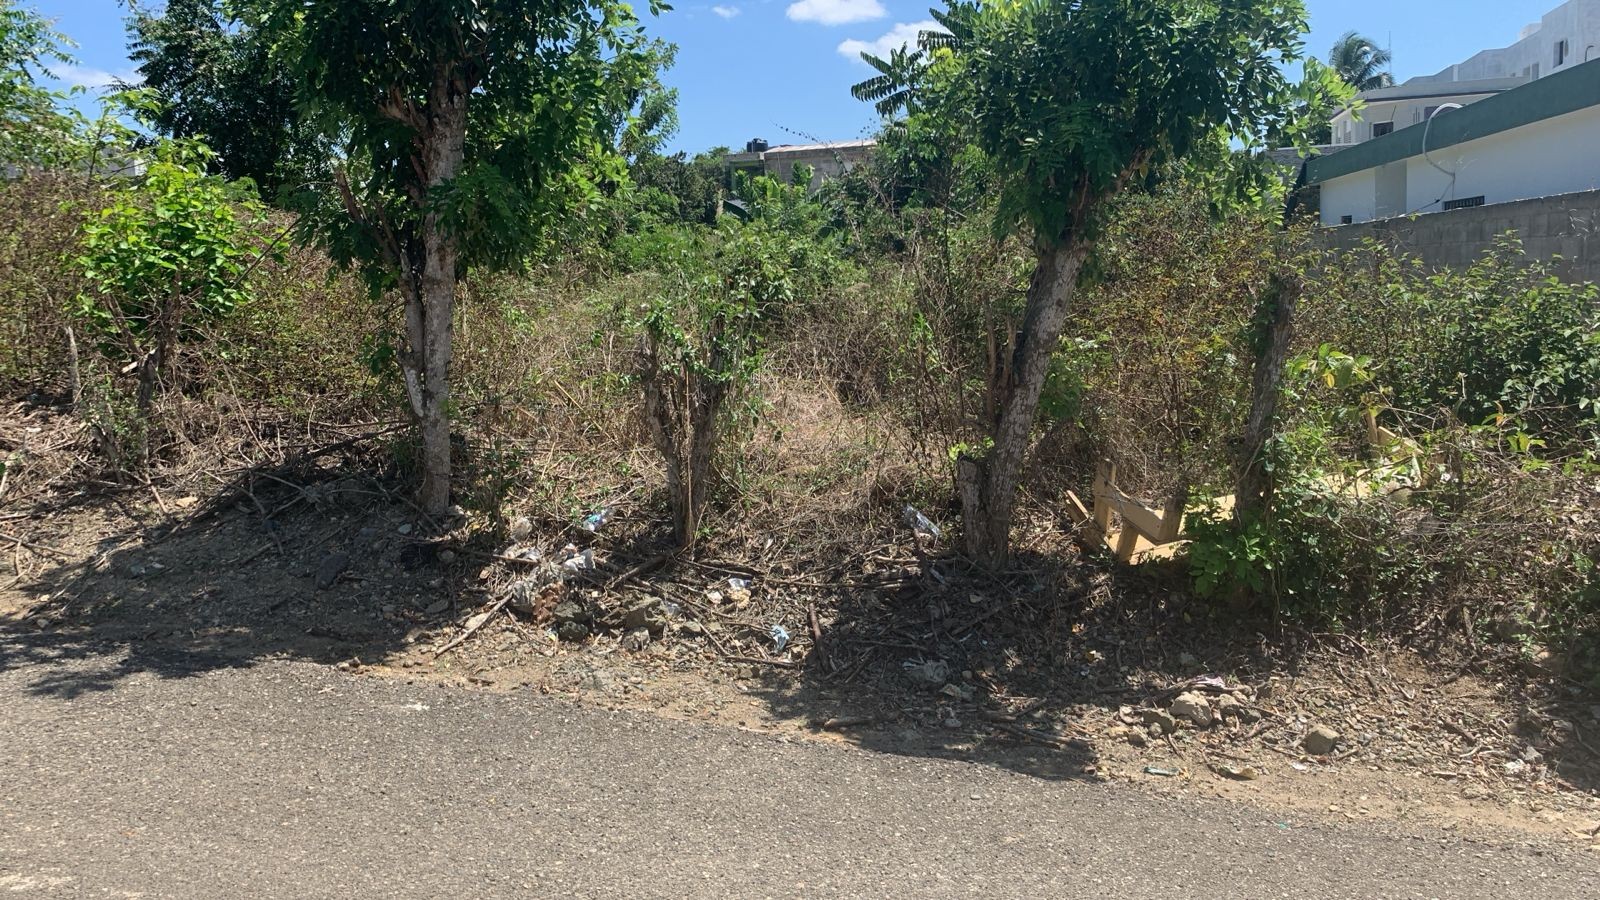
point(1228, 707)
point(404, 529)
point(1320, 740)
point(1544, 661)
point(1159, 719)
point(636, 640)
point(1194, 708)
point(647, 615)
point(569, 612)
point(572, 632)
point(930, 674)
point(331, 568)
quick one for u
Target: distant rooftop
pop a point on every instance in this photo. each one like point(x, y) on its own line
point(1417, 89)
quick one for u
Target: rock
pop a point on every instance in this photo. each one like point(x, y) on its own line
point(1157, 718)
point(647, 615)
point(572, 632)
point(404, 529)
point(570, 612)
point(930, 674)
point(521, 528)
point(1320, 740)
point(636, 640)
point(1194, 708)
point(1544, 661)
point(332, 567)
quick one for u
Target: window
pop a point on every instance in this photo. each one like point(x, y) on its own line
point(1464, 203)
point(1561, 52)
point(1379, 129)
point(1347, 220)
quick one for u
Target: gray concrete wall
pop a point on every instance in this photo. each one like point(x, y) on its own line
point(1566, 226)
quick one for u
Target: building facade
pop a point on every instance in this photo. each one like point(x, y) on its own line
point(826, 161)
point(1536, 140)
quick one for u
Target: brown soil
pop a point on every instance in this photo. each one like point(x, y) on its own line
point(1047, 669)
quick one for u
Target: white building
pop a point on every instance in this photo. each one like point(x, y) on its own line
point(1566, 36)
point(1537, 140)
point(1510, 124)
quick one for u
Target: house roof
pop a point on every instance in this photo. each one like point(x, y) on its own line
point(1414, 90)
point(832, 145)
point(1546, 98)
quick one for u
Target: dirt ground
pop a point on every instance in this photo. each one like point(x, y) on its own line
point(1057, 670)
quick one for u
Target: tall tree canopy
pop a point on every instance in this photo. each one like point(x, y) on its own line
point(465, 126)
point(1360, 62)
point(34, 129)
point(215, 80)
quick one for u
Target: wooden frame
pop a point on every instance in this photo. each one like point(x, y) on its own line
point(1137, 519)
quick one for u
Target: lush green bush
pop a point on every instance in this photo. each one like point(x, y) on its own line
point(1503, 338)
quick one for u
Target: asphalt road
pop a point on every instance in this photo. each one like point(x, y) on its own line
point(287, 779)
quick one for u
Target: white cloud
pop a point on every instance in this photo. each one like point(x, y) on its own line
point(727, 12)
point(903, 34)
point(89, 77)
point(836, 12)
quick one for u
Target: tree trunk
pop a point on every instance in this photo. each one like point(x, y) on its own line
point(1275, 319)
point(987, 484)
point(681, 412)
point(431, 304)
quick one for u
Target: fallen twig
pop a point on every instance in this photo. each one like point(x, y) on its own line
point(32, 546)
point(473, 626)
point(780, 663)
point(840, 723)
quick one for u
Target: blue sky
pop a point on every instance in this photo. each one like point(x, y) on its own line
point(782, 69)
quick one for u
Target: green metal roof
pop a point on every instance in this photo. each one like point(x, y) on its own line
point(1544, 98)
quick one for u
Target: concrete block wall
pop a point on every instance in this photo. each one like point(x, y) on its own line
point(1566, 225)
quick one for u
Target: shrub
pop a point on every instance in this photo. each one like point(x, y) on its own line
point(701, 338)
point(1503, 337)
point(173, 243)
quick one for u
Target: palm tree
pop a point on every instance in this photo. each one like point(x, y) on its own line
point(894, 88)
point(1361, 63)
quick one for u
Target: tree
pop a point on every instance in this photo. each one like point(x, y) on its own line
point(34, 130)
point(217, 81)
point(1361, 63)
point(893, 90)
point(466, 126)
point(1077, 102)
